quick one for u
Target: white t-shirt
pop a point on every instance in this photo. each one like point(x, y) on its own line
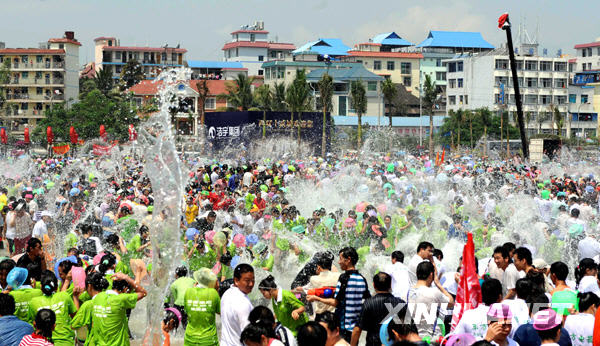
point(588, 248)
point(520, 312)
point(589, 284)
point(247, 179)
point(400, 279)
point(474, 322)
point(10, 230)
point(235, 309)
point(423, 297)
point(581, 329)
point(412, 268)
point(509, 278)
point(39, 229)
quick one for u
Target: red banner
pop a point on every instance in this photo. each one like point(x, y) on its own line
point(61, 149)
point(3, 136)
point(26, 136)
point(100, 150)
point(73, 135)
point(49, 135)
point(468, 294)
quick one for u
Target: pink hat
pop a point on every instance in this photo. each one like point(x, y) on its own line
point(239, 240)
point(499, 311)
point(208, 236)
point(176, 312)
point(29, 196)
point(97, 258)
point(461, 340)
point(349, 222)
point(546, 319)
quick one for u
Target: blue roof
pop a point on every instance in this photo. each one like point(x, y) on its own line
point(213, 64)
point(455, 39)
point(357, 72)
point(341, 120)
point(324, 46)
point(391, 39)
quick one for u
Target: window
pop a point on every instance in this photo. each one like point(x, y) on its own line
point(560, 83)
point(438, 62)
point(261, 58)
point(466, 99)
point(451, 67)
point(407, 81)
point(371, 86)
point(273, 54)
point(117, 55)
point(583, 67)
point(501, 64)
point(38, 59)
point(572, 98)
point(545, 99)
point(531, 82)
point(584, 52)
point(390, 65)
point(531, 99)
point(452, 100)
point(440, 75)
point(460, 99)
point(24, 75)
point(24, 106)
point(590, 51)
point(61, 46)
point(530, 65)
point(560, 66)
point(237, 52)
point(459, 66)
point(545, 65)
point(118, 69)
point(405, 67)
point(280, 72)
point(39, 91)
point(501, 80)
point(252, 37)
point(452, 83)
point(210, 103)
point(546, 82)
point(376, 65)
point(560, 99)
point(459, 83)
point(584, 98)
point(163, 56)
point(519, 64)
point(260, 72)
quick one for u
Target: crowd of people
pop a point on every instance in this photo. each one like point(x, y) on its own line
point(79, 240)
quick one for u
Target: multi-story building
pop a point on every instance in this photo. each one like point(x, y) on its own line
point(39, 78)
point(477, 80)
point(110, 55)
point(216, 70)
point(251, 46)
point(381, 56)
point(586, 69)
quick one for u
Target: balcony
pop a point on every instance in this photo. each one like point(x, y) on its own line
point(28, 113)
point(32, 82)
point(56, 65)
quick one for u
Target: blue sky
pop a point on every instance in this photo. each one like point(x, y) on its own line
point(202, 26)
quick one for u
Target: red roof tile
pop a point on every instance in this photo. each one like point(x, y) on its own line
point(145, 49)
point(386, 54)
point(150, 87)
point(587, 45)
point(250, 32)
point(31, 51)
point(259, 44)
point(64, 40)
point(283, 46)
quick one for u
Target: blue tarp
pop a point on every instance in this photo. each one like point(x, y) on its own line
point(455, 39)
point(391, 39)
point(325, 46)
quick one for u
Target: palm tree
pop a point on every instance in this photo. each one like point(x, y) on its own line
point(459, 117)
point(527, 119)
point(104, 81)
point(557, 118)
point(326, 93)
point(203, 93)
point(430, 93)
point(239, 92)
point(298, 98)
point(263, 98)
point(388, 88)
point(358, 101)
point(542, 117)
point(279, 97)
point(469, 116)
point(486, 119)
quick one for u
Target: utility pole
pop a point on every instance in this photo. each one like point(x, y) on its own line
point(504, 24)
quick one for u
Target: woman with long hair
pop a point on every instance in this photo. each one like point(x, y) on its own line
point(43, 324)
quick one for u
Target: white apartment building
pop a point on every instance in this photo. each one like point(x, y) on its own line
point(251, 46)
point(586, 69)
point(477, 79)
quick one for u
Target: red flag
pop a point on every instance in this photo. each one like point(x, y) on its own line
point(3, 136)
point(468, 294)
point(503, 21)
point(49, 135)
point(26, 135)
point(102, 132)
point(132, 133)
point(73, 135)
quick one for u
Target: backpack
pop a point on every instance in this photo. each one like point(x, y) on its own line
point(88, 247)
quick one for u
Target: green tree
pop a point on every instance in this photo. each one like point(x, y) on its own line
point(542, 117)
point(85, 86)
point(131, 74)
point(279, 93)
point(263, 98)
point(388, 88)
point(239, 92)
point(459, 117)
point(429, 97)
point(104, 81)
point(298, 98)
point(358, 101)
point(86, 116)
point(557, 119)
point(485, 116)
point(4, 79)
point(326, 94)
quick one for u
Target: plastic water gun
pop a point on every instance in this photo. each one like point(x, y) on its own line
point(323, 292)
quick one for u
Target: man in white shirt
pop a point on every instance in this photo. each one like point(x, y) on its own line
point(424, 252)
point(41, 227)
point(510, 275)
point(400, 275)
point(474, 321)
point(588, 247)
point(235, 305)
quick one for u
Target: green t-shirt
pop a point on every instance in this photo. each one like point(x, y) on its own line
point(206, 260)
point(201, 305)
point(82, 322)
point(283, 310)
point(128, 227)
point(109, 319)
point(22, 298)
point(70, 241)
point(132, 247)
point(178, 289)
point(62, 305)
